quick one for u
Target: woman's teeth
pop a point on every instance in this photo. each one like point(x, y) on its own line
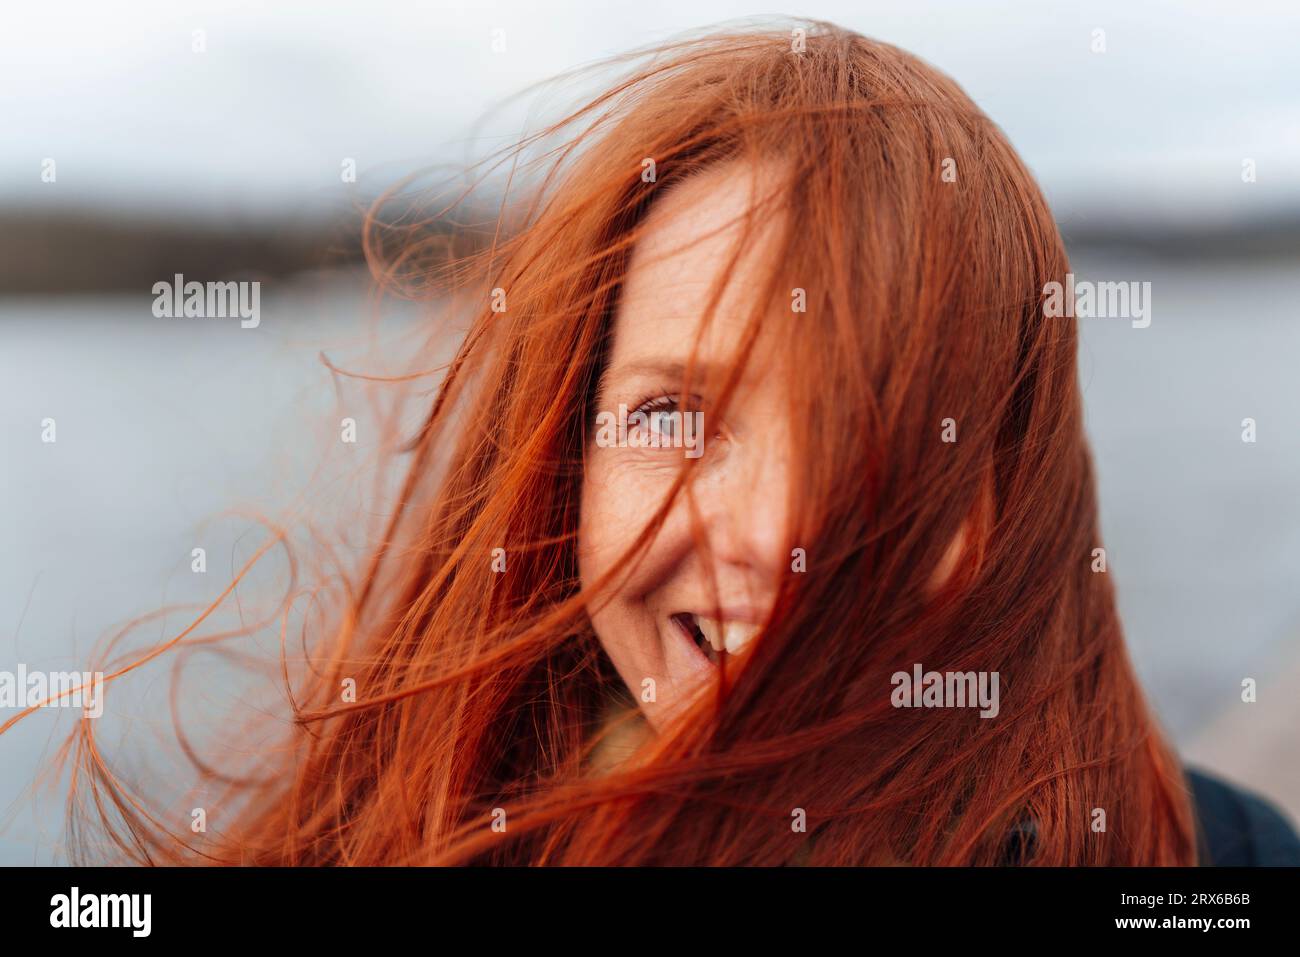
point(729, 636)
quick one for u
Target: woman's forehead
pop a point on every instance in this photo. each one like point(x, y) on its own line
point(686, 248)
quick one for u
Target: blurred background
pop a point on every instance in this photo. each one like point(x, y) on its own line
point(215, 140)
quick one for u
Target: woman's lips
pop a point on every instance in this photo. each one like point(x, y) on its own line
point(685, 649)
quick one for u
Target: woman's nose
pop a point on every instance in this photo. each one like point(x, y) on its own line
point(745, 504)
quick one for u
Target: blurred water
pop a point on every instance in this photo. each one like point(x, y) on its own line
point(1202, 529)
point(163, 424)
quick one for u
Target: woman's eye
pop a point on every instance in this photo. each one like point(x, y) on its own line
point(660, 417)
point(665, 422)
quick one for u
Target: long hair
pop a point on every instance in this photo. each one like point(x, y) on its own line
point(932, 395)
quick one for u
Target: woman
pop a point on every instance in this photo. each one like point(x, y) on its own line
point(753, 522)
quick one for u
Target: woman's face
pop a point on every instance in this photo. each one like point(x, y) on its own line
point(658, 620)
point(661, 622)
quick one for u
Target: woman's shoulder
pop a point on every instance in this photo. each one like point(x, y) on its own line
point(1238, 828)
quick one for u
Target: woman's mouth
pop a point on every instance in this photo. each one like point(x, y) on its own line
point(712, 637)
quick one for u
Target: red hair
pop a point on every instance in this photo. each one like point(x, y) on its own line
point(479, 691)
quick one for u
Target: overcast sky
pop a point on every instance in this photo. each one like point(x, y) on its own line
point(1159, 123)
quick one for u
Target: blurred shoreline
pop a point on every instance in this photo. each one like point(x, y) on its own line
point(85, 250)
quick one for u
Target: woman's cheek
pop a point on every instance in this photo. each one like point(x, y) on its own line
point(606, 508)
point(622, 491)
